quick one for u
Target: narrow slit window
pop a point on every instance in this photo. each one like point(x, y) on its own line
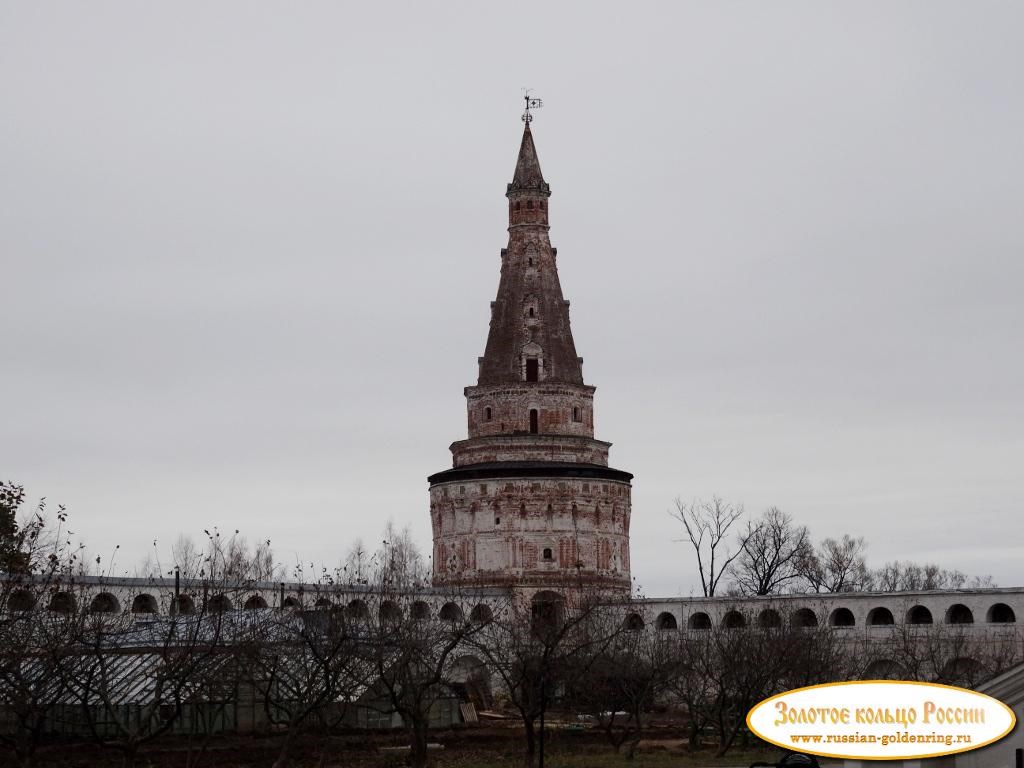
point(532, 369)
point(577, 414)
point(547, 554)
point(487, 414)
point(534, 422)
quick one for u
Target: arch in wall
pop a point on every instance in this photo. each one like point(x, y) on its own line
point(958, 613)
point(883, 669)
point(21, 600)
point(104, 602)
point(219, 603)
point(666, 620)
point(547, 610)
point(62, 602)
point(419, 611)
point(356, 610)
point(291, 602)
point(842, 617)
point(804, 618)
point(481, 614)
point(769, 619)
point(963, 671)
point(699, 620)
point(734, 620)
point(322, 603)
point(1000, 613)
point(919, 615)
point(182, 605)
point(633, 622)
point(880, 617)
point(471, 682)
point(254, 603)
point(389, 612)
point(144, 603)
point(450, 612)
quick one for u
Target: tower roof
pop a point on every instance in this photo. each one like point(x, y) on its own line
point(529, 317)
point(527, 175)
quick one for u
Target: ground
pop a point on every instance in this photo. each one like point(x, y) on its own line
point(484, 746)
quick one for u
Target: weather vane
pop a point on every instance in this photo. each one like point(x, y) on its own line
point(530, 104)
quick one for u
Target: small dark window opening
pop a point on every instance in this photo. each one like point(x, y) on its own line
point(487, 414)
point(547, 553)
point(518, 204)
point(531, 311)
point(542, 205)
point(532, 369)
point(576, 414)
point(529, 262)
point(497, 521)
point(534, 425)
point(529, 204)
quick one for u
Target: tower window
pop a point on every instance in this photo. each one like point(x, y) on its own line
point(532, 369)
point(497, 521)
point(531, 311)
point(529, 204)
point(518, 204)
point(547, 554)
point(542, 205)
point(529, 262)
point(576, 414)
point(487, 414)
point(534, 422)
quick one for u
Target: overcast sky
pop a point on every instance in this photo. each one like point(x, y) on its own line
point(248, 249)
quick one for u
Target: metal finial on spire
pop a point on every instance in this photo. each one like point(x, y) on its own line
point(530, 104)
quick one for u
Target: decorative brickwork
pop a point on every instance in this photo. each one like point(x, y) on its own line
point(530, 499)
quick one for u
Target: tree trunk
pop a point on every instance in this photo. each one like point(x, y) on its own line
point(284, 756)
point(530, 756)
point(128, 757)
point(419, 744)
point(631, 752)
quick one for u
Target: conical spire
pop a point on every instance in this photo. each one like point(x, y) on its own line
point(527, 175)
point(529, 339)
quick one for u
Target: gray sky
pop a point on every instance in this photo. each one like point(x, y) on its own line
point(248, 248)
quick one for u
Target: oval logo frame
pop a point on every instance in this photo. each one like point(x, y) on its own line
point(881, 720)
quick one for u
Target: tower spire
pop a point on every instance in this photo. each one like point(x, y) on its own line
point(527, 175)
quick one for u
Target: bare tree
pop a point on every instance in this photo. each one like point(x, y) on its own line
point(899, 576)
point(306, 669)
point(723, 672)
point(707, 524)
point(39, 561)
point(357, 566)
point(538, 645)
point(133, 679)
point(772, 550)
point(623, 682)
point(837, 566)
point(412, 659)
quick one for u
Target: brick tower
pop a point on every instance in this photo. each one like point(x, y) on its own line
point(530, 501)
